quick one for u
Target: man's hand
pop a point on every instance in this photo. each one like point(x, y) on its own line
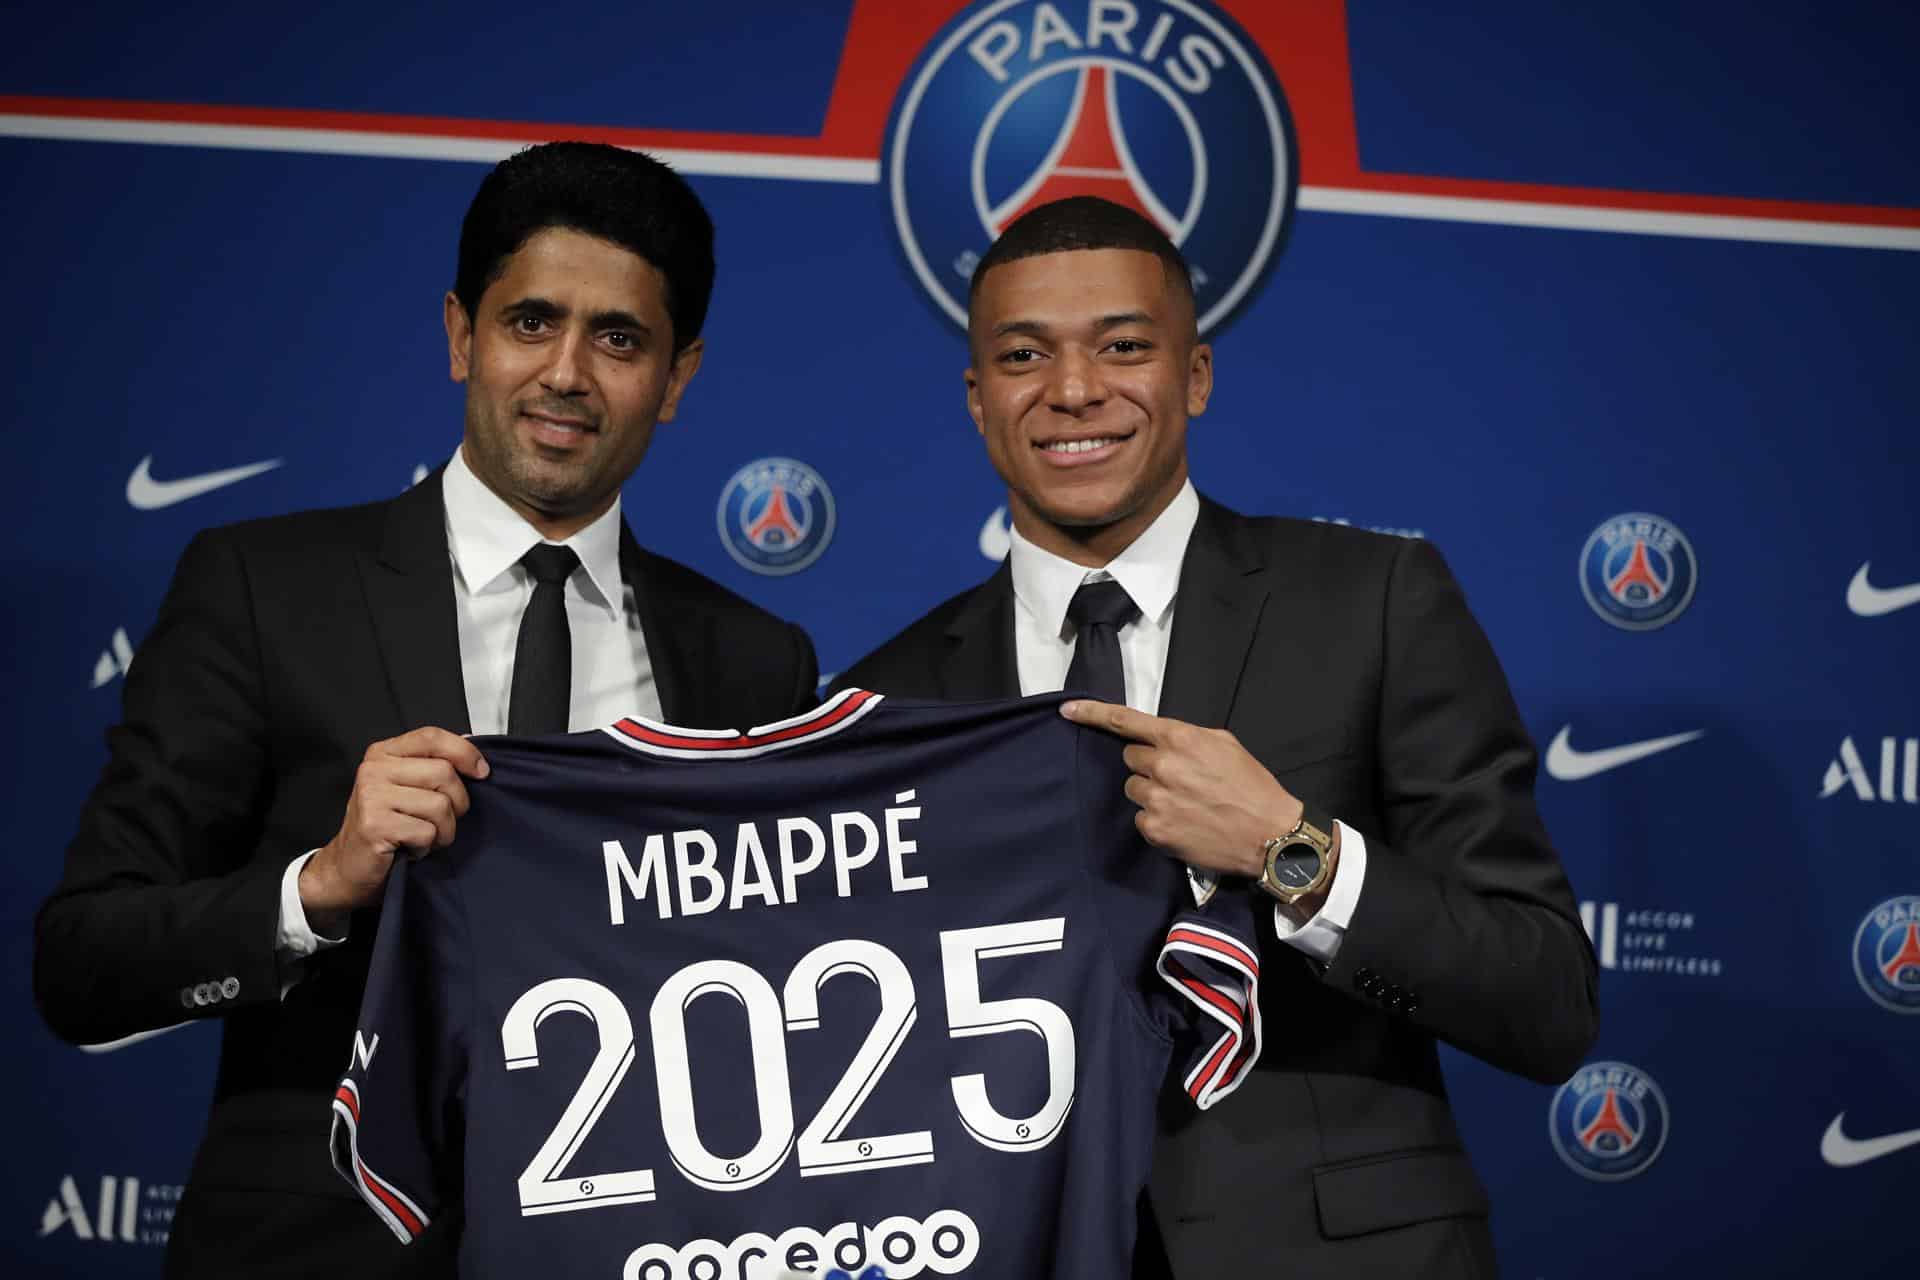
point(1203, 798)
point(407, 794)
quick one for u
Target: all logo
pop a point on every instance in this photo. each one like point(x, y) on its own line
point(775, 516)
point(1161, 105)
point(122, 1213)
point(1609, 1122)
point(1848, 771)
point(114, 661)
point(1886, 954)
point(1638, 571)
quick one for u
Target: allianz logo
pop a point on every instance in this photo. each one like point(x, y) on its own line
point(119, 1214)
point(945, 1243)
point(1895, 780)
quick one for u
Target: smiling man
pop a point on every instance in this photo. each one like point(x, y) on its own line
point(1315, 719)
point(295, 720)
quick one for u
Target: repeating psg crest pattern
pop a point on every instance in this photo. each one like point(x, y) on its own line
point(775, 515)
point(1609, 1122)
point(1161, 105)
point(1886, 954)
point(1638, 571)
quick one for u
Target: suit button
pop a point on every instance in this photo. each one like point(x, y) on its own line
point(186, 997)
point(1412, 1005)
point(1362, 977)
point(200, 993)
point(230, 988)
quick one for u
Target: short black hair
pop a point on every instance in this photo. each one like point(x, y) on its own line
point(625, 197)
point(1081, 222)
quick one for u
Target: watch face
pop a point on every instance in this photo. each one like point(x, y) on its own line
point(1296, 867)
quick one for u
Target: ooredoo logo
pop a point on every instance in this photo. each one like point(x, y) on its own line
point(945, 1242)
point(1161, 105)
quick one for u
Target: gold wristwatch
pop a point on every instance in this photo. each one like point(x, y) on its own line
point(1299, 862)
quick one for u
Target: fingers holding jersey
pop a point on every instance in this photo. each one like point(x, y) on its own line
point(408, 794)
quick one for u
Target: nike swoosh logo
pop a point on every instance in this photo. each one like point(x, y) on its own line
point(1569, 764)
point(1842, 1152)
point(145, 493)
point(127, 1042)
point(1870, 601)
point(996, 536)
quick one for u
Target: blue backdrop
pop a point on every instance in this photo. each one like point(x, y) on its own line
point(1649, 259)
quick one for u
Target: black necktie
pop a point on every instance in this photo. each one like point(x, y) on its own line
point(1098, 611)
point(543, 655)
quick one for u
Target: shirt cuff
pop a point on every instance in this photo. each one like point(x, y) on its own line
point(294, 937)
point(1320, 937)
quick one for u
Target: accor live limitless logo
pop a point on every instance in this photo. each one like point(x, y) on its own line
point(125, 1211)
point(1896, 779)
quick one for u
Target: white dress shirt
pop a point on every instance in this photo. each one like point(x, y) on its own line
point(612, 676)
point(1149, 569)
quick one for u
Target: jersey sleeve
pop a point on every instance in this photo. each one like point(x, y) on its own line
point(1193, 968)
point(1210, 959)
point(396, 1112)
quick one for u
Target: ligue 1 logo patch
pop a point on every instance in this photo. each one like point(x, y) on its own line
point(1609, 1122)
point(1886, 954)
point(1638, 571)
point(1164, 106)
point(775, 516)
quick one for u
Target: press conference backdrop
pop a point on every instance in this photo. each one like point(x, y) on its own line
point(1615, 304)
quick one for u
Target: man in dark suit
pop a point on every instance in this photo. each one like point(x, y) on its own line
point(230, 859)
point(1330, 731)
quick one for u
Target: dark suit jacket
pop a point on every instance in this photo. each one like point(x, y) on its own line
point(1348, 664)
point(285, 647)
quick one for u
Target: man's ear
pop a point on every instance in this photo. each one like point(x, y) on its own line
point(686, 363)
point(459, 338)
point(973, 401)
point(1199, 379)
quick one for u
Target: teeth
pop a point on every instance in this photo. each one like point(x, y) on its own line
point(1078, 446)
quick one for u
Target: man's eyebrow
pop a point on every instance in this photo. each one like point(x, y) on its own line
point(1032, 328)
point(544, 307)
point(1039, 329)
point(619, 320)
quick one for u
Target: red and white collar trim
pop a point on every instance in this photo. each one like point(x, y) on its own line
point(657, 739)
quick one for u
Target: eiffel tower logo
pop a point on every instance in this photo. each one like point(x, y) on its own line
point(1637, 584)
point(1090, 157)
point(1607, 1133)
point(1906, 960)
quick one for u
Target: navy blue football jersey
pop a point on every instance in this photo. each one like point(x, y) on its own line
point(893, 983)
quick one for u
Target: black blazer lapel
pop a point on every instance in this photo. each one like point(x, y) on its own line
point(409, 586)
point(980, 662)
point(1215, 614)
point(679, 676)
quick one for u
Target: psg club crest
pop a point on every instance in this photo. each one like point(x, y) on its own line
point(1638, 571)
point(775, 516)
point(1886, 954)
point(1161, 105)
point(1609, 1122)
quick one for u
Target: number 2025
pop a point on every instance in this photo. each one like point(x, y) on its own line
point(822, 1145)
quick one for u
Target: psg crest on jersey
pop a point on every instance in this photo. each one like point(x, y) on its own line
point(1161, 105)
point(1638, 571)
point(1886, 954)
point(775, 515)
point(1608, 1122)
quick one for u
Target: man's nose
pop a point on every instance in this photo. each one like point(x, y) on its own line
point(1077, 384)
